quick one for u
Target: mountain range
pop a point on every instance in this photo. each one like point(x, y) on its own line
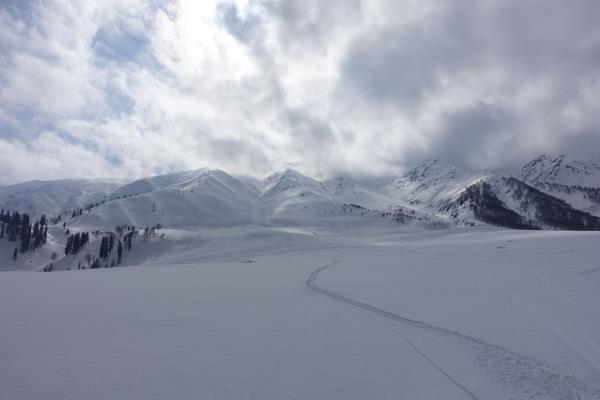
point(548, 192)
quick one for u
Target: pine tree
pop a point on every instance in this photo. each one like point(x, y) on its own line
point(69, 245)
point(36, 235)
point(15, 253)
point(13, 226)
point(76, 243)
point(119, 252)
point(104, 248)
point(1, 228)
point(25, 233)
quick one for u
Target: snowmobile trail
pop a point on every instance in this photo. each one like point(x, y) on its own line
point(527, 378)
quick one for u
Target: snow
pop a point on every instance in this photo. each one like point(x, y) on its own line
point(450, 314)
point(432, 184)
point(561, 170)
point(566, 179)
point(293, 288)
point(53, 197)
point(215, 199)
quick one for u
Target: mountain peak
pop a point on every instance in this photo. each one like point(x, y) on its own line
point(431, 169)
point(288, 179)
point(546, 169)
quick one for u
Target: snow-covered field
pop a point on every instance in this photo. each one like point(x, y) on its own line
point(451, 314)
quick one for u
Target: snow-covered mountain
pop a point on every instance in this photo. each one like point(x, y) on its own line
point(432, 184)
point(347, 190)
point(576, 182)
point(54, 197)
point(209, 198)
point(548, 192)
point(520, 200)
point(560, 170)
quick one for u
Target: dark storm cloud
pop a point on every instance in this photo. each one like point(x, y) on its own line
point(503, 51)
point(399, 64)
point(468, 137)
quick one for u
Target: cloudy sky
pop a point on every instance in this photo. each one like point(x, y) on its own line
point(123, 88)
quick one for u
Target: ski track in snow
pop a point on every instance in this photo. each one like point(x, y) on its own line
point(529, 378)
point(589, 271)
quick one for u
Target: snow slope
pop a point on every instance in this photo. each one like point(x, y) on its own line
point(432, 184)
point(203, 198)
point(212, 198)
point(561, 170)
point(349, 191)
point(576, 182)
point(433, 194)
point(456, 314)
point(54, 197)
point(468, 198)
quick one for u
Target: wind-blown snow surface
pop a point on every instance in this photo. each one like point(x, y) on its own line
point(452, 314)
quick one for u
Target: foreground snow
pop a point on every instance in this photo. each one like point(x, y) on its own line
point(436, 315)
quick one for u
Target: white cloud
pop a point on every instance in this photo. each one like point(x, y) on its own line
point(128, 88)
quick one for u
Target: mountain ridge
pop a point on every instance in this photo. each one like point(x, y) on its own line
point(431, 192)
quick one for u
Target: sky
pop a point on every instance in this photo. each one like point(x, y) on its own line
point(130, 88)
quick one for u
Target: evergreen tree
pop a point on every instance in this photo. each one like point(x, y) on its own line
point(128, 238)
point(76, 243)
point(103, 248)
point(25, 233)
point(13, 226)
point(15, 254)
point(119, 252)
point(69, 245)
point(36, 235)
point(1, 228)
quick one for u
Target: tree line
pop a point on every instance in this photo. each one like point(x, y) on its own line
point(18, 227)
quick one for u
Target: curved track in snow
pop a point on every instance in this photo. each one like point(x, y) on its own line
point(527, 377)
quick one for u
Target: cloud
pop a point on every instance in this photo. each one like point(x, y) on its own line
point(135, 87)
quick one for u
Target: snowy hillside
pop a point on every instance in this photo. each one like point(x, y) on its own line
point(576, 182)
point(347, 190)
point(498, 198)
point(290, 287)
point(432, 184)
point(452, 315)
point(561, 170)
point(209, 198)
point(431, 194)
point(512, 203)
point(54, 197)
